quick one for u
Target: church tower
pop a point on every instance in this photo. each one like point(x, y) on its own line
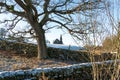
point(61, 41)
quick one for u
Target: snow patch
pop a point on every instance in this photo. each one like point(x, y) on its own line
point(61, 46)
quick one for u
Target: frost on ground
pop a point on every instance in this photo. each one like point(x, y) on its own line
point(11, 62)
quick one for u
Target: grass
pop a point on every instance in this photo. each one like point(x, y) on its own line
point(11, 61)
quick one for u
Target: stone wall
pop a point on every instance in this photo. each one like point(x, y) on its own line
point(19, 48)
point(30, 50)
point(72, 72)
point(63, 54)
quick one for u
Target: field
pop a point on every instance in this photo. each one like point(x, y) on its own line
point(11, 61)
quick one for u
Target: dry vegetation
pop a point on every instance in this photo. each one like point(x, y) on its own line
point(11, 61)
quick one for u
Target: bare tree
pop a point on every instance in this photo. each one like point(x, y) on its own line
point(40, 13)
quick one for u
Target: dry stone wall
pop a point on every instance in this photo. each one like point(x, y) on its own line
point(83, 71)
point(30, 50)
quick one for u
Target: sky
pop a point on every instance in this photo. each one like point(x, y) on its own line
point(55, 33)
point(68, 40)
point(50, 35)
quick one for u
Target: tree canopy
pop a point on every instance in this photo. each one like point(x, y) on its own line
point(41, 13)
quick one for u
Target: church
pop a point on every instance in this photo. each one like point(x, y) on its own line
point(58, 41)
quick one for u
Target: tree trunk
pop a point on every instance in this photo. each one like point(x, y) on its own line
point(41, 43)
point(40, 35)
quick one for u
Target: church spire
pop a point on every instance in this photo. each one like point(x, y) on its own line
point(61, 41)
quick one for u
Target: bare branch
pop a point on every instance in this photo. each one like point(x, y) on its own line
point(64, 25)
point(57, 5)
point(46, 14)
point(31, 31)
point(29, 4)
point(50, 28)
point(65, 18)
point(10, 8)
point(81, 7)
point(12, 22)
point(21, 4)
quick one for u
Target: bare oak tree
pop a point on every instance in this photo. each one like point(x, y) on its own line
point(41, 13)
